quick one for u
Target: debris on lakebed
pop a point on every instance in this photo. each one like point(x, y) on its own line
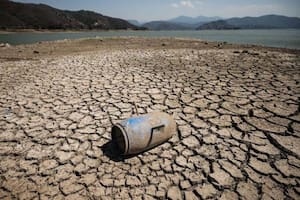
point(140, 133)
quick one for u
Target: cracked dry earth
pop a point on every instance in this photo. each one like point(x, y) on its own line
point(237, 114)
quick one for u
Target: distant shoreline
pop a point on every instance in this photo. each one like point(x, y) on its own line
point(70, 46)
point(283, 38)
point(12, 31)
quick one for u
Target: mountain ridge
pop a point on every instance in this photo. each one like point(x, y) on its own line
point(271, 21)
point(15, 15)
point(261, 22)
point(217, 25)
point(165, 25)
point(193, 20)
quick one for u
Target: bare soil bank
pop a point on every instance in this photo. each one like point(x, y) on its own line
point(65, 47)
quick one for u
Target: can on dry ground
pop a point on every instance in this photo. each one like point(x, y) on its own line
point(137, 134)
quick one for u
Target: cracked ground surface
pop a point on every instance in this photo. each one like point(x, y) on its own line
point(237, 113)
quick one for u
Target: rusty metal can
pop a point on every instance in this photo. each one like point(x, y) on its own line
point(138, 134)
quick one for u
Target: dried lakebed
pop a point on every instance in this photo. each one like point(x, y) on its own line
point(237, 110)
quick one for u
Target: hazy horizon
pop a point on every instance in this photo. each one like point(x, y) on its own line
point(144, 11)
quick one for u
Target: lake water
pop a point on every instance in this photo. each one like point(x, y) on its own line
point(287, 38)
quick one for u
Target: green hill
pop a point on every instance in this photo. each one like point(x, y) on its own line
point(39, 16)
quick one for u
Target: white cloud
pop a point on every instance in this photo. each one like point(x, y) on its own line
point(187, 4)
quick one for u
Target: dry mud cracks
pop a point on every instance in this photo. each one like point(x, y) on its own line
point(237, 114)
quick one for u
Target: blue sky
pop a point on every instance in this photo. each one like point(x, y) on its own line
point(147, 10)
